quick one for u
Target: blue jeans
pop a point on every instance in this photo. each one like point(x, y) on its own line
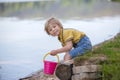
point(81, 47)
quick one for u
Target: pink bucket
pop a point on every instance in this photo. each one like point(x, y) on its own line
point(49, 66)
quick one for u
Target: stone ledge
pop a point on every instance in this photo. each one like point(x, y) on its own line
point(87, 76)
point(86, 68)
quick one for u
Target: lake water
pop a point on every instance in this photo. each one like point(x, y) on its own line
point(23, 43)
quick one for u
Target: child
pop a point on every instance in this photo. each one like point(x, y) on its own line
point(74, 42)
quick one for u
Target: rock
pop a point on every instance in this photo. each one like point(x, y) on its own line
point(87, 76)
point(87, 72)
point(90, 61)
point(86, 68)
point(39, 76)
point(64, 72)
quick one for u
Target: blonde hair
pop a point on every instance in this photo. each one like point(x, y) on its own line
point(52, 20)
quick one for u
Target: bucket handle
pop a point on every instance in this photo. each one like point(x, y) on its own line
point(48, 54)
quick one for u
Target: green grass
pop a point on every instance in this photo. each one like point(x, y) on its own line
point(111, 49)
point(116, 0)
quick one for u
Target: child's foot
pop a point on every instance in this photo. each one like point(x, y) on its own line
point(68, 62)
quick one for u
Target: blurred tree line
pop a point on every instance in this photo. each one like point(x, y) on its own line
point(40, 7)
point(58, 8)
point(116, 0)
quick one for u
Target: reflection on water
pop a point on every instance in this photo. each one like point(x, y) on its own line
point(60, 8)
point(23, 43)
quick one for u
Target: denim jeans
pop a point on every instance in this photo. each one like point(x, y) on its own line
point(81, 47)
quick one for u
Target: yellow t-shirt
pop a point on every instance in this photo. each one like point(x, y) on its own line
point(70, 34)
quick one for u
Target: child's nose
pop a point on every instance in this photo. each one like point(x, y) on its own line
point(53, 29)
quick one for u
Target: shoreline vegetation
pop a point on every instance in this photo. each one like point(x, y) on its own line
point(116, 0)
point(110, 49)
point(40, 9)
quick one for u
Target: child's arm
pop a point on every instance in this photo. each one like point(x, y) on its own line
point(66, 48)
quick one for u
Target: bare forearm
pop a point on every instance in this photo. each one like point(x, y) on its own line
point(64, 49)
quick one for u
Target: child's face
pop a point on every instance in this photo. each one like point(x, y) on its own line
point(54, 29)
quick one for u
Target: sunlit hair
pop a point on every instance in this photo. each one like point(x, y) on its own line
point(50, 21)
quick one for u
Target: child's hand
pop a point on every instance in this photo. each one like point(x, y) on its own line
point(53, 52)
